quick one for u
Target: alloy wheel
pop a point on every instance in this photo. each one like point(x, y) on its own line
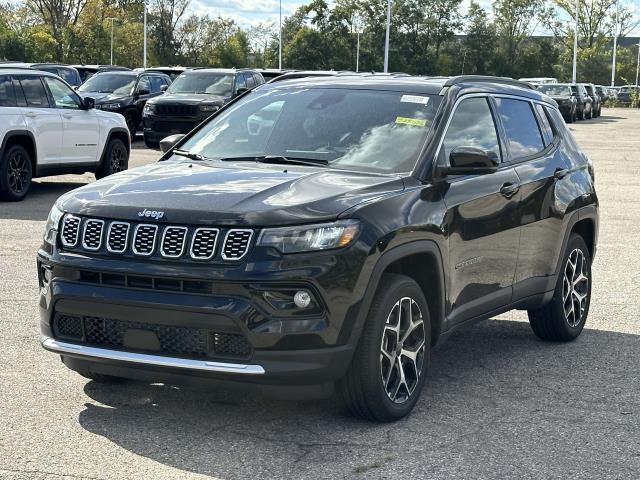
point(18, 172)
point(118, 159)
point(575, 287)
point(402, 350)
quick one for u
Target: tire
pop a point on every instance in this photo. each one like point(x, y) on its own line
point(16, 172)
point(554, 321)
point(569, 118)
point(132, 124)
point(591, 113)
point(116, 159)
point(364, 390)
point(150, 144)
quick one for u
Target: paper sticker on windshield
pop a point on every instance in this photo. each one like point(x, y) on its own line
point(416, 122)
point(415, 99)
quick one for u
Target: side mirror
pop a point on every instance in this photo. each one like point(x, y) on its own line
point(143, 91)
point(88, 103)
point(472, 161)
point(241, 90)
point(163, 88)
point(169, 142)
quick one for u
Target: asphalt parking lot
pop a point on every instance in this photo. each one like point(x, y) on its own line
point(499, 402)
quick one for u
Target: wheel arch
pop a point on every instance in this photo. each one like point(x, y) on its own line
point(25, 139)
point(119, 133)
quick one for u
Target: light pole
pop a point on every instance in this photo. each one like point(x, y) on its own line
point(112, 20)
point(638, 64)
point(575, 45)
point(386, 41)
point(144, 41)
point(357, 25)
point(615, 47)
point(280, 39)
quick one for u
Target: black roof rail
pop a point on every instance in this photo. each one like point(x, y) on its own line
point(487, 79)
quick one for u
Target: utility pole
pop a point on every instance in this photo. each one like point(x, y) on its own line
point(638, 64)
point(386, 41)
point(144, 49)
point(357, 25)
point(112, 20)
point(615, 47)
point(280, 40)
point(574, 78)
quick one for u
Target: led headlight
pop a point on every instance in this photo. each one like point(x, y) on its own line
point(149, 108)
point(208, 108)
point(310, 237)
point(51, 227)
point(110, 106)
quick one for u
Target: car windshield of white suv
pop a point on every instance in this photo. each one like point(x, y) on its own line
point(109, 83)
point(354, 129)
point(555, 90)
point(207, 83)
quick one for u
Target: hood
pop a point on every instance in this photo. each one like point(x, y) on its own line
point(103, 97)
point(227, 194)
point(563, 98)
point(189, 99)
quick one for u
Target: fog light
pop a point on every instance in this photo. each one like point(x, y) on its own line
point(302, 299)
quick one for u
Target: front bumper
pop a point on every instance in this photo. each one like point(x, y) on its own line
point(156, 127)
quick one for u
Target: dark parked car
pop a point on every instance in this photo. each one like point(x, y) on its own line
point(68, 73)
point(88, 71)
point(595, 98)
point(565, 96)
point(172, 72)
point(125, 92)
point(324, 232)
point(584, 102)
point(627, 93)
point(193, 97)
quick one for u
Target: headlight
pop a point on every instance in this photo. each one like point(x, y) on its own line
point(110, 106)
point(149, 108)
point(311, 237)
point(208, 108)
point(51, 227)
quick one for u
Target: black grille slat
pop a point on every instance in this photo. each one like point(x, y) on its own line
point(236, 244)
point(92, 234)
point(144, 241)
point(203, 244)
point(176, 109)
point(68, 326)
point(173, 242)
point(118, 237)
point(70, 231)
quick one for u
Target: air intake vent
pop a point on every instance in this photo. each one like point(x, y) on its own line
point(117, 237)
point(236, 244)
point(70, 231)
point(203, 245)
point(92, 236)
point(173, 242)
point(144, 239)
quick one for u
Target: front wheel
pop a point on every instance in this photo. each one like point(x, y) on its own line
point(563, 318)
point(391, 362)
point(116, 159)
point(15, 173)
point(132, 124)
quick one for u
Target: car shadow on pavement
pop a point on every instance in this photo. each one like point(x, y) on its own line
point(499, 403)
point(38, 202)
point(604, 119)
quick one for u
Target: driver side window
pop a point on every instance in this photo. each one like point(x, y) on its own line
point(63, 96)
point(144, 85)
point(472, 125)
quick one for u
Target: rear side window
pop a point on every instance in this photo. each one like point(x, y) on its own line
point(34, 93)
point(544, 123)
point(258, 78)
point(7, 98)
point(69, 76)
point(250, 82)
point(520, 125)
point(472, 125)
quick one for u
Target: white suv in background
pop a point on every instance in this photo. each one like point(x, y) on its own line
point(46, 128)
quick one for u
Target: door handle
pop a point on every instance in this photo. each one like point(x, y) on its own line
point(509, 189)
point(67, 115)
point(561, 173)
point(31, 114)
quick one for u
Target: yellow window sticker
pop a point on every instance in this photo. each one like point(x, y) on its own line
point(416, 122)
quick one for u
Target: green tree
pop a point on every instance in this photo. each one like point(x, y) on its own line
point(479, 43)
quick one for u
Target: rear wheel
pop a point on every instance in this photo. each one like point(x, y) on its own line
point(116, 159)
point(15, 173)
point(563, 318)
point(390, 365)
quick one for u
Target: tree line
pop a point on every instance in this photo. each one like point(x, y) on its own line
point(432, 37)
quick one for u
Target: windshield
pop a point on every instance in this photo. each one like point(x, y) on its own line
point(364, 130)
point(209, 83)
point(109, 83)
point(555, 90)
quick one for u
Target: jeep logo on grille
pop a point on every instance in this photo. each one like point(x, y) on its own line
point(151, 214)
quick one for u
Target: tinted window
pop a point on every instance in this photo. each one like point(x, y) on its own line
point(63, 96)
point(521, 127)
point(472, 125)
point(156, 84)
point(258, 78)
point(240, 82)
point(203, 82)
point(250, 81)
point(69, 76)
point(34, 92)
point(546, 126)
point(144, 84)
point(109, 83)
point(7, 98)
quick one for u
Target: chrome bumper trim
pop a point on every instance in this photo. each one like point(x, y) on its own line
point(85, 351)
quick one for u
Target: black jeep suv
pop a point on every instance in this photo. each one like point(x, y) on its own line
point(322, 232)
point(192, 98)
point(125, 92)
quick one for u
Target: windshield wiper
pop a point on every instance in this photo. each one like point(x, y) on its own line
point(280, 159)
point(190, 155)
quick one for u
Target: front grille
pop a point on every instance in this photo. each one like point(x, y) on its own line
point(203, 245)
point(92, 235)
point(178, 341)
point(70, 230)
point(236, 244)
point(173, 241)
point(176, 109)
point(144, 241)
point(118, 237)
